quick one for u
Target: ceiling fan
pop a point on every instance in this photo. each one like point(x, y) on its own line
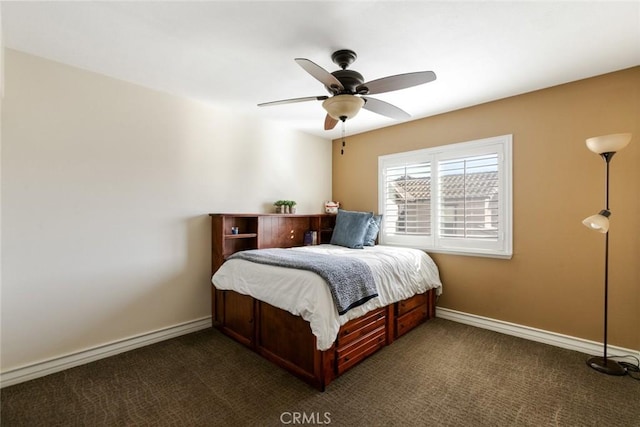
point(348, 89)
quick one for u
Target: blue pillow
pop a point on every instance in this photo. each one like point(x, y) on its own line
point(350, 229)
point(372, 230)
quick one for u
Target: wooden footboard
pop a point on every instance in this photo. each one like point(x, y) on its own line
point(287, 341)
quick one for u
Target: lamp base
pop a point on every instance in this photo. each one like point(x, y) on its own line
point(606, 366)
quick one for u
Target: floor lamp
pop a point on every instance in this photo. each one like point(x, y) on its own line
point(606, 146)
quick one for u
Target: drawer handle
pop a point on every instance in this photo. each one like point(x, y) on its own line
point(346, 331)
point(346, 359)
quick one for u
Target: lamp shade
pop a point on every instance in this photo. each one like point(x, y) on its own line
point(598, 222)
point(608, 143)
point(343, 107)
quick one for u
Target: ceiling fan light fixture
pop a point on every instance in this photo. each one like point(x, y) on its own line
point(343, 107)
point(348, 89)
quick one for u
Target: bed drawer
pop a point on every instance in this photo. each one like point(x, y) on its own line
point(357, 328)
point(409, 304)
point(410, 320)
point(353, 353)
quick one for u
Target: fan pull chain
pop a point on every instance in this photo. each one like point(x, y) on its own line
point(343, 141)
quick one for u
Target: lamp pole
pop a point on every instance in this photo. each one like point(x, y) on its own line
point(602, 364)
point(607, 158)
point(606, 146)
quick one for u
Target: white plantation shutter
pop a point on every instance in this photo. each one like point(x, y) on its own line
point(455, 198)
point(408, 199)
point(469, 197)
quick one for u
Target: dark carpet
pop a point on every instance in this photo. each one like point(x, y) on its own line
point(441, 374)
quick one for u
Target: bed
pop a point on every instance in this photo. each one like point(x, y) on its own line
point(290, 316)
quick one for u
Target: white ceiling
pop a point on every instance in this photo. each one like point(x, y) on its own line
point(238, 54)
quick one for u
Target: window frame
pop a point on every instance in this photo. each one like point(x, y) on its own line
point(500, 248)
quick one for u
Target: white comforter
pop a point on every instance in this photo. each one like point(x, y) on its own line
point(399, 273)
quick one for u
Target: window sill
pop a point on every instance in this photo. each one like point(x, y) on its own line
point(481, 254)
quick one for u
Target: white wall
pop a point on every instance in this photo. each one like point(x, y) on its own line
point(106, 188)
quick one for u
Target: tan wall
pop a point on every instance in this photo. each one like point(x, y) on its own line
point(554, 281)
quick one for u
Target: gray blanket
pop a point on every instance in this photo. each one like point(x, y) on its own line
point(350, 280)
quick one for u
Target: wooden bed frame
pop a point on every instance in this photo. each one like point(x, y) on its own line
point(285, 339)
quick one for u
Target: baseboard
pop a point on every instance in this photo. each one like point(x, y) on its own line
point(533, 334)
point(46, 367)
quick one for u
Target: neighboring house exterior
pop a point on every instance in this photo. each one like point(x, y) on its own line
point(467, 208)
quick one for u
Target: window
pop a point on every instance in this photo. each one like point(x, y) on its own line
point(453, 199)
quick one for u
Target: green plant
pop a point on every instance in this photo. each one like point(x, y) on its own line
point(280, 203)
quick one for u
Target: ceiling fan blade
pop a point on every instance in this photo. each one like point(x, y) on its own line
point(384, 108)
point(292, 100)
point(329, 122)
point(320, 74)
point(397, 82)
